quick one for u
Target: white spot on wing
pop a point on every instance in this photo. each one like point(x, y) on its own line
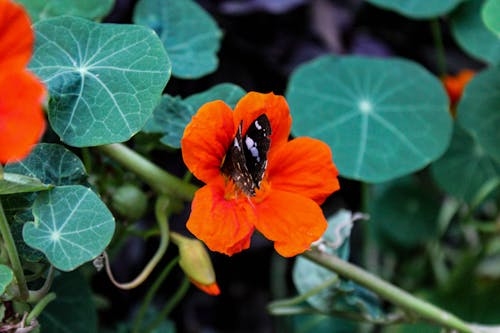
point(257, 125)
point(252, 147)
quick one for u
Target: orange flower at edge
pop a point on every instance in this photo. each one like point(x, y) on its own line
point(455, 85)
point(21, 94)
point(300, 175)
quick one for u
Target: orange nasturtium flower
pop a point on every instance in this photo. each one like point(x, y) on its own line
point(21, 94)
point(455, 84)
point(283, 204)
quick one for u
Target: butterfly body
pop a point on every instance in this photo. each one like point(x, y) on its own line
point(246, 157)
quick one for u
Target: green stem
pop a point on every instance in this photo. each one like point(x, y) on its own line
point(161, 207)
point(276, 305)
point(15, 262)
point(40, 306)
point(160, 180)
point(438, 43)
point(151, 293)
point(37, 295)
point(179, 294)
point(397, 296)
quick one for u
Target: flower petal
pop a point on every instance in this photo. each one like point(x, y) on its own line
point(292, 221)
point(275, 107)
point(225, 226)
point(21, 117)
point(304, 166)
point(16, 42)
point(206, 140)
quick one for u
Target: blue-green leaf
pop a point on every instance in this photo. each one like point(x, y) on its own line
point(478, 110)
point(383, 118)
point(490, 14)
point(190, 36)
point(404, 214)
point(172, 115)
point(73, 310)
point(472, 35)
point(6, 277)
point(465, 167)
point(72, 226)
point(418, 9)
point(104, 80)
point(91, 9)
point(52, 164)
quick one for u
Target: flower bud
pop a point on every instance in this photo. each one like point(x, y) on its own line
point(196, 263)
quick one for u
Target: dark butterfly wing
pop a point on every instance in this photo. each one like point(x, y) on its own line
point(235, 166)
point(256, 143)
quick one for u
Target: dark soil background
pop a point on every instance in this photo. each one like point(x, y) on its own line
point(264, 41)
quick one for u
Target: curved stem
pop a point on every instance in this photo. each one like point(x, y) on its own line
point(36, 295)
point(40, 306)
point(161, 207)
point(14, 260)
point(160, 180)
point(179, 294)
point(150, 294)
point(397, 296)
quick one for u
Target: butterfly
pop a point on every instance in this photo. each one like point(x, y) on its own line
point(246, 157)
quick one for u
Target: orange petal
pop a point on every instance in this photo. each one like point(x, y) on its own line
point(292, 221)
point(211, 289)
point(206, 140)
point(304, 166)
point(223, 225)
point(16, 36)
point(275, 107)
point(21, 117)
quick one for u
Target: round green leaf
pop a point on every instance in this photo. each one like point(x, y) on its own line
point(91, 9)
point(382, 118)
point(479, 110)
point(404, 214)
point(72, 226)
point(190, 36)
point(14, 183)
point(172, 115)
point(465, 167)
point(491, 15)
point(472, 35)
point(74, 308)
point(417, 9)
point(104, 80)
point(52, 164)
point(6, 277)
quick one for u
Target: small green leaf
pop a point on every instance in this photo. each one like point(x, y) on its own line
point(404, 214)
point(52, 164)
point(14, 183)
point(104, 80)
point(491, 15)
point(465, 167)
point(418, 9)
point(73, 310)
point(91, 9)
point(172, 115)
point(227, 92)
point(338, 233)
point(190, 36)
point(383, 118)
point(72, 226)
point(6, 277)
point(472, 35)
point(321, 324)
point(478, 110)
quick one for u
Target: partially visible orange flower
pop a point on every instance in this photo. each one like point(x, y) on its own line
point(455, 84)
point(21, 94)
point(298, 176)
